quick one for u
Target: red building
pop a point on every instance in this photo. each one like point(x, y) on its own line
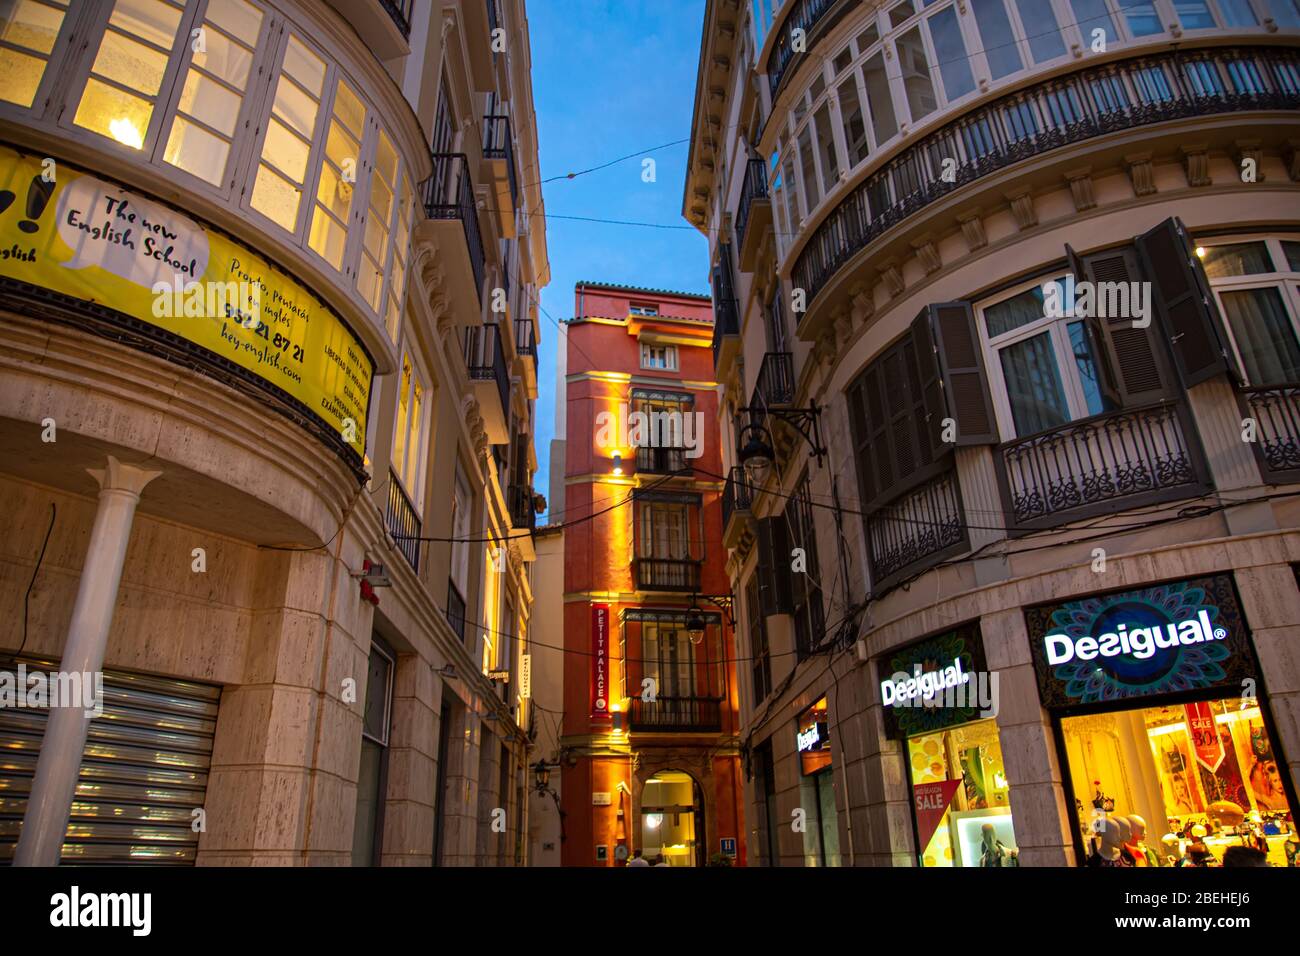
point(648, 745)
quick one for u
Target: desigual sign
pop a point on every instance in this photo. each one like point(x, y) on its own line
point(1186, 635)
point(91, 240)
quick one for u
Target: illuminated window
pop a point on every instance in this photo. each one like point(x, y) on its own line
point(410, 433)
point(28, 30)
point(338, 174)
point(128, 71)
point(210, 101)
point(290, 131)
point(387, 233)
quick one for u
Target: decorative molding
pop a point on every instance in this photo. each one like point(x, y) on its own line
point(1291, 155)
point(1022, 208)
point(927, 254)
point(972, 230)
point(894, 284)
point(1196, 163)
point(1080, 181)
point(1141, 174)
point(1254, 150)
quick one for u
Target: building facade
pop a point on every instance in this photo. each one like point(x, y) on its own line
point(646, 747)
point(1021, 275)
point(267, 386)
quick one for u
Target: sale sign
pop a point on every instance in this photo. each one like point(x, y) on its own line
point(931, 801)
point(1204, 732)
point(600, 660)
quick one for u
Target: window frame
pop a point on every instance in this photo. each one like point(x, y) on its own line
point(64, 53)
point(1286, 281)
point(415, 495)
point(670, 357)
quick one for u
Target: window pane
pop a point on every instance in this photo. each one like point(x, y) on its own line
point(809, 173)
point(1034, 385)
point(1085, 362)
point(375, 720)
point(954, 66)
point(111, 112)
point(328, 238)
point(915, 69)
point(151, 20)
point(210, 103)
point(30, 25)
point(295, 107)
point(340, 148)
point(130, 63)
point(332, 192)
point(240, 19)
point(995, 33)
point(902, 12)
point(1141, 17)
point(1292, 252)
point(1264, 334)
point(1285, 12)
point(20, 76)
point(224, 58)
point(275, 198)
point(1041, 29)
point(1237, 13)
point(1193, 14)
point(884, 124)
point(305, 67)
point(1012, 313)
point(349, 110)
point(867, 37)
point(196, 151)
point(826, 147)
point(285, 151)
point(1241, 259)
point(855, 130)
point(1092, 15)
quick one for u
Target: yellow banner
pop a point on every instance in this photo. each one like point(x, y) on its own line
point(83, 237)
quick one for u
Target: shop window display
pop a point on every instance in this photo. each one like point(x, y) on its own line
point(1200, 777)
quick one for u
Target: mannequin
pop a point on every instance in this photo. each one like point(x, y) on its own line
point(993, 852)
point(1135, 850)
point(1111, 835)
point(1198, 854)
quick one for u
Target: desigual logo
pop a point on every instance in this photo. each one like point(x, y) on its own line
point(1140, 642)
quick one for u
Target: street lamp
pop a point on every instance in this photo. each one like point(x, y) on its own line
point(695, 624)
point(542, 776)
point(755, 454)
point(755, 441)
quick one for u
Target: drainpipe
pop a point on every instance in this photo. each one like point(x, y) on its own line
point(50, 804)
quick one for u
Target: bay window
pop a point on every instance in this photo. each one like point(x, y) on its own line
point(1194, 14)
point(28, 30)
point(1092, 15)
point(1051, 367)
point(411, 431)
point(855, 127)
point(950, 54)
point(1237, 13)
point(290, 134)
point(338, 170)
point(884, 123)
point(1257, 284)
point(914, 66)
point(1141, 17)
point(1041, 29)
point(994, 26)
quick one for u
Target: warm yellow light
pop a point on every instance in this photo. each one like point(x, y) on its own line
point(1200, 252)
point(124, 132)
point(614, 708)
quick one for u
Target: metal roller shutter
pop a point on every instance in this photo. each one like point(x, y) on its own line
point(144, 771)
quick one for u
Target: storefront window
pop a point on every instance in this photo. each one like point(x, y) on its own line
point(821, 833)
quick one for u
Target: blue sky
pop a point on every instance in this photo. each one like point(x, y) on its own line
point(610, 79)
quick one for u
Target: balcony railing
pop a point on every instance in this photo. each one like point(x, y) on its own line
point(498, 144)
point(681, 714)
point(803, 15)
point(400, 11)
point(485, 361)
point(917, 530)
point(737, 496)
point(667, 574)
point(753, 189)
point(775, 385)
point(455, 610)
point(662, 461)
point(449, 194)
point(403, 522)
point(1275, 409)
point(1135, 456)
point(519, 501)
point(525, 337)
point(1056, 113)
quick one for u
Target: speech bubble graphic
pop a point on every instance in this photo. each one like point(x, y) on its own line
point(132, 238)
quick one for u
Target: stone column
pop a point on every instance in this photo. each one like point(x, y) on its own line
point(46, 820)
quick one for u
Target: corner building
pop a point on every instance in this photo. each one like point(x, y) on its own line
point(1085, 511)
point(267, 379)
point(647, 745)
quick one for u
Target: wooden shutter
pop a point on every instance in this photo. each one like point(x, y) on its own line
point(774, 566)
point(1134, 352)
point(1182, 298)
point(1107, 377)
point(931, 409)
point(964, 383)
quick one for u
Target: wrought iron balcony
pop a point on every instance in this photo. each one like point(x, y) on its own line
point(916, 530)
point(525, 338)
point(676, 714)
point(1096, 465)
point(1275, 410)
point(803, 15)
point(737, 497)
point(400, 12)
point(403, 522)
point(662, 461)
point(775, 385)
point(485, 362)
point(667, 574)
point(519, 501)
point(498, 145)
point(449, 194)
point(753, 189)
point(455, 610)
point(1058, 112)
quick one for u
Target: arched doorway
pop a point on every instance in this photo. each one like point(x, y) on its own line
point(672, 819)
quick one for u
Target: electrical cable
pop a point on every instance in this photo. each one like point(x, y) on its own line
point(35, 571)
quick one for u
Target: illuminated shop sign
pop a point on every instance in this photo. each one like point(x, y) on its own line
point(1184, 636)
point(931, 684)
point(600, 661)
point(89, 239)
point(812, 738)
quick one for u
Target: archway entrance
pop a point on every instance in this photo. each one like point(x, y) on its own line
point(672, 819)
